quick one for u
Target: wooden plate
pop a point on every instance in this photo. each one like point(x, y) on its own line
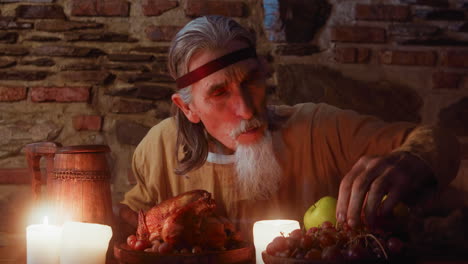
point(125, 255)
point(269, 259)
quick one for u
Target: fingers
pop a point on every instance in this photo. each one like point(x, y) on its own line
point(374, 169)
point(345, 189)
point(368, 173)
point(377, 191)
point(393, 183)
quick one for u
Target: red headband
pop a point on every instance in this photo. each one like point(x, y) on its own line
point(214, 66)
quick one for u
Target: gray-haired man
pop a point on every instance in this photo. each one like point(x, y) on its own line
point(263, 161)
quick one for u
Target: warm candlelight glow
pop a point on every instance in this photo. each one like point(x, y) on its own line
point(265, 231)
point(42, 243)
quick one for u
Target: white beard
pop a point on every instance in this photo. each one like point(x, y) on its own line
point(258, 171)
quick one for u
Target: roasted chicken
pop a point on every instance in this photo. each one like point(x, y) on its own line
point(185, 221)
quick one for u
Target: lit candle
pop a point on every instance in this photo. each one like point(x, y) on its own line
point(84, 243)
point(42, 243)
point(265, 231)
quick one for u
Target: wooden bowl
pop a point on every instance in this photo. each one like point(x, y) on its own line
point(125, 255)
point(269, 259)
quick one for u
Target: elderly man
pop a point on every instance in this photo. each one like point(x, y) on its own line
point(262, 161)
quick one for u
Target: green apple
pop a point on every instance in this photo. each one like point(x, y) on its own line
point(323, 210)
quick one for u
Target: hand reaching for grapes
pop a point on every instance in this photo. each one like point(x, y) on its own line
point(400, 175)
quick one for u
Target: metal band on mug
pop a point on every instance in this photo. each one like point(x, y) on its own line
point(214, 66)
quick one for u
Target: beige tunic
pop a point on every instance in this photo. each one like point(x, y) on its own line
point(316, 146)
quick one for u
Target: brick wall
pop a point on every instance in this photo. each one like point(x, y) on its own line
point(94, 71)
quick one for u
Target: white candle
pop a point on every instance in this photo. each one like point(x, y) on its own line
point(84, 243)
point(265, 231)
point(42, 243)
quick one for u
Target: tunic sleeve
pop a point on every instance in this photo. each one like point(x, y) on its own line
point(349, 135)
point(150, 169)
point(438, 147)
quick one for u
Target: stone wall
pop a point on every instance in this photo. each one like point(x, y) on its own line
point(94, 71)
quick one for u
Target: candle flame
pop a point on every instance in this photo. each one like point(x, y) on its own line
point(46, 220)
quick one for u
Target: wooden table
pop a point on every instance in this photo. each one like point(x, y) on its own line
point(13, 251)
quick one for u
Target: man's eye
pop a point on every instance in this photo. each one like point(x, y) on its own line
point(219, 92)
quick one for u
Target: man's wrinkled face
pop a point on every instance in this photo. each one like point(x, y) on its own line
point(231, 101)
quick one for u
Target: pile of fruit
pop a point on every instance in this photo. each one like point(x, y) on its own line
point(324, 239)
point(336, 244)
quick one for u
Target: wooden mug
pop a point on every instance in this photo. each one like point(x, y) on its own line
point(78, 181)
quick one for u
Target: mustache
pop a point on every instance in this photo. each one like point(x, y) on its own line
point(246, 125)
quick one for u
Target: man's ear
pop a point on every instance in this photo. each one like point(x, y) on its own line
point(188, 112)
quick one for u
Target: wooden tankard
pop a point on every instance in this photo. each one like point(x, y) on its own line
point(78, 181)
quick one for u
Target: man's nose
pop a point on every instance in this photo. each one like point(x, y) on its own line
point(243, 107)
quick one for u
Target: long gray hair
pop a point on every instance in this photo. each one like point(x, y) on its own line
point(203, 33)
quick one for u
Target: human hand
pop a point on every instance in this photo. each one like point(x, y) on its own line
point(400, 175)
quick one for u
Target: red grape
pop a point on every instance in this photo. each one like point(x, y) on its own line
point(313, 254)
point(306, 242)
point(299, 255)
point(332, 254)
point(280, 243)
point(327, 224)
point(296, 234)
point(165, 248)
point(196, 250)
point(326, 240)
point(356, 252)
point(312, 231)
point(292, 243)
point(141, 245)
point(271, 249)
point(394, 245)
point(155, 247)
point(284, 253)
point(345, 226)
point(131, 240)
point(350, 234)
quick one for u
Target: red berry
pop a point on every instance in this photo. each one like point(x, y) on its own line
point(326, 240)
point(332, 254)
point(306, 242)
point(280, 243)
point(292, 243)
point(165, 248)
point(196, 250)
point(345, 227)
point(131, 240)
point(296, 234)
point(313, 254)
point(284, 254)
point(394, 245)
point(271, 249)
point(327, 224)
point(312, 231)
point(142, 245)
point(356, 252)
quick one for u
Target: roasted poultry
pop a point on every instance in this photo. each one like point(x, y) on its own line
point(185, 221)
